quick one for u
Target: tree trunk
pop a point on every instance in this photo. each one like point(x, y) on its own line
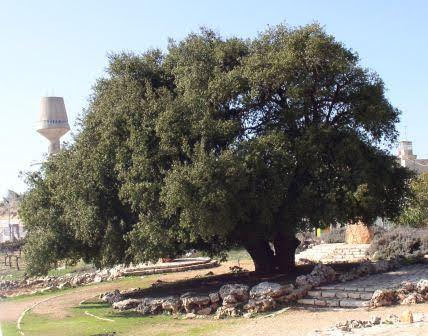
point(262, 255)
point(285, 249)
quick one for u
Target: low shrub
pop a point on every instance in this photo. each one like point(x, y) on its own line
point(378, 231)
point(402, 242)
point(335, 235)
point(307, 241)
point(11, 246)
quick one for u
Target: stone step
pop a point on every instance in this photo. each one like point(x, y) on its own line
point(354, 295)
point(338, 296)
point(205, 265)
point(345, 303)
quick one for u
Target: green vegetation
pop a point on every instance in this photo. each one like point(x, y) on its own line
point(127, 282)
point(77, 323)
point(416, 214)
point(400, 243)
point(238, 254)
point(218, 143)
point(9, 329)
point(7, 273)
point(12, 246)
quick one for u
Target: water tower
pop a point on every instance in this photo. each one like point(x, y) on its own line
point(53, 121)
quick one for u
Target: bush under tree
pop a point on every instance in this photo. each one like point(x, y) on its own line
point(400, 243)
point(219, 143)
point(416, 213)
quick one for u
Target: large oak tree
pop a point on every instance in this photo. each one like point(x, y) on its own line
point(218, 143)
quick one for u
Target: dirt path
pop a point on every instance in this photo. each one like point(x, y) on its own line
point(294, 322)
point(300, 322)
point(58, 307)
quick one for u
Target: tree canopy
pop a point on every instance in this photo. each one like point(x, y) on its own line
point(219, 142)
point(416, 213)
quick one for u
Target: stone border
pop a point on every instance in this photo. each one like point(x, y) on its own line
point(196, 265)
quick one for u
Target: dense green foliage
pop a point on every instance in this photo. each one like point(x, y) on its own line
point(12, 246)
point(407, 243)
point(416, 213)
point(219, 143)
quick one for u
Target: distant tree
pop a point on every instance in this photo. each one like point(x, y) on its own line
point(416, 213)
point(219, 143)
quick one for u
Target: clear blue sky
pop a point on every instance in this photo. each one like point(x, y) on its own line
point(60, 47)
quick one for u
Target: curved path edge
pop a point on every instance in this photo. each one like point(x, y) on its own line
point(18, 323)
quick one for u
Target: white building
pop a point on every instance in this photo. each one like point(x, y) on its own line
point(16, 226)
point(9, 214)
point(410, 160)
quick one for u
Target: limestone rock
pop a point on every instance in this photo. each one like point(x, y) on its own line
point(413, 298)
point(111, 297)
point(64, 285)
point(296, 294)
point(229, 300)
point(383, 297)
point(126, 304)
point(143, 309)
point(270, 289)
point(407, 317)
point(320, 274)
point(422, 286)
point(193, 303)
point(214, 297)
point(376, 320)
point(171, 304)
point(249, 315)
point(223, 312)
point(391, 319)
point(260, 305)
point(238, 291)
point(408, 286)
point(325, 272)
point(155, 305)
point(358, 234)
point(98, 279)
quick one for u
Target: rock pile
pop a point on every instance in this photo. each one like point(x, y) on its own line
point(343, 328)
point(408, 293)
point(34, 285)
point(320, 274)
point(231, 300)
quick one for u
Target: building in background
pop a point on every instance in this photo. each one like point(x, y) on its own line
point(11, 228)
point(52, 122)
point(410, 160)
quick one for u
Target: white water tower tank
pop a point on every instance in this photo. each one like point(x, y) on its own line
point(53, 121)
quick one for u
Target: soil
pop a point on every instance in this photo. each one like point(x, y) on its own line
point(294, 322)
point(208, 281)
point(299, 322)
point(163, 285)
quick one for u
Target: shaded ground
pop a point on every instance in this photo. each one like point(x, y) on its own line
point(63, 315)
point(208, 281)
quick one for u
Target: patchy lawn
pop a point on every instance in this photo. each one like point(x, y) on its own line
point(77, 323)
point(63, 316)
